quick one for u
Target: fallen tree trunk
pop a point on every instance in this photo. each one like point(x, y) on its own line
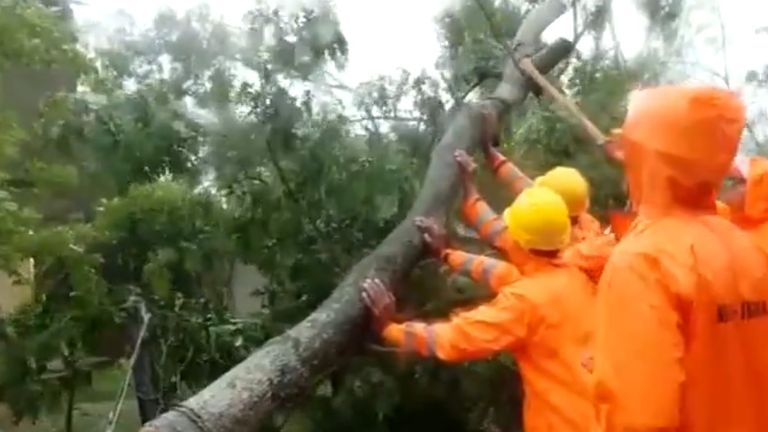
point(284, 367)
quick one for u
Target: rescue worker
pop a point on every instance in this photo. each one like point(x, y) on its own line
point(682, 315)
point(493, 273)
point(746, 203)
point(570, 184)
point(545, 320)
point(588, 248)
point(489, 225)
point(566, 181)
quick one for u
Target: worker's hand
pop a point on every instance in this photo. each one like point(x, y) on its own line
point(433, 234)
point(613, 147)
point(467, 165)
point(379, 301)
point(614, 151)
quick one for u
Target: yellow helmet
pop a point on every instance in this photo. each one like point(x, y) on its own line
point(570, 185)
point(538, 219)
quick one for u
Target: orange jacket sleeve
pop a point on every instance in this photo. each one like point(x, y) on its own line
point(499, 325)
point(492, 229)
point(494, 273)
point(508, 174)
point(638, 348)
point(483, 219)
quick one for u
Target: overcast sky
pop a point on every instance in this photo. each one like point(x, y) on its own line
point(386, 35)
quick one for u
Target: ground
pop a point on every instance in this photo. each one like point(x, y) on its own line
point(92, 409)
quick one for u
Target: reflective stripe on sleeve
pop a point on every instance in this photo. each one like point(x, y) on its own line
point(486, 215)
point(499, 227)
point(431, 340)
point(489, 267)
point(409, 337)
point(467, 265)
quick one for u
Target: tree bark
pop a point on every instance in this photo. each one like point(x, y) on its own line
point(243, 398)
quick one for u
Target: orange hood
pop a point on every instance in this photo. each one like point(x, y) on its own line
point(679, 143)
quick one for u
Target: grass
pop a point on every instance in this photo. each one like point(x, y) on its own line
point(91, 410)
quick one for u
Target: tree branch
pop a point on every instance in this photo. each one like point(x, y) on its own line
point(577, 35)
point(275, 374)
point(620, 59)
point(492, 27)
point(386, 118)
point(463, 96)
point(753, 133)
point(723, 46)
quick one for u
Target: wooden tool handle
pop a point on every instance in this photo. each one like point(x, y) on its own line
point(527, 65)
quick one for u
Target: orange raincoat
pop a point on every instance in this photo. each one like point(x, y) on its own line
point(682, 316)
point(545, 321)
point(583, 226)
point(492, 229)
point(587, 251)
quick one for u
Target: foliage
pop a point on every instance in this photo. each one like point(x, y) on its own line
point(473, 37)
point(33, 35)
point(51, 344)
point(37, 45)
point(91, 147)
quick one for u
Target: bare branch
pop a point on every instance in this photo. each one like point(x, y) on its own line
point(492, 27)
point(387, 118)
point(470, 89)
point(336, 83)
point(753, 133)
point(714, 73)
point(723, 46)
point(620, 59)
point(575, 21)
point(578, 34)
